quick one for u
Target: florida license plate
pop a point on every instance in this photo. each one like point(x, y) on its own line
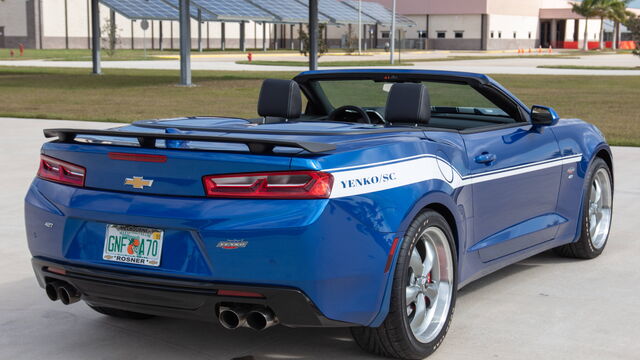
point(133, 245)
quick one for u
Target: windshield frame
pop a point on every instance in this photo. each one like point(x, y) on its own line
point(495, 93)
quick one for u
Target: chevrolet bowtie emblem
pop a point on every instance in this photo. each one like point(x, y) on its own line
point(138, 182)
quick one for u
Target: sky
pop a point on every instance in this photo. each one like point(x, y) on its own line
point(635, 4)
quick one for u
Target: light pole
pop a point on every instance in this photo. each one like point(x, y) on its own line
point(313, 34)
point(185, 43)
point(359, 27)
point(393, 31)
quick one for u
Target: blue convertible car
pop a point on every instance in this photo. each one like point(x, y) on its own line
point(362, 198)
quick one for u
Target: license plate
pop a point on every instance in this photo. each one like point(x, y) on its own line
point(133, 245)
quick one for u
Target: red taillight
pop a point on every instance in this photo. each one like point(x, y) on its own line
point(61, 171)
point(276, 185)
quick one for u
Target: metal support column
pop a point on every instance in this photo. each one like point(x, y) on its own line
point(275, 36)
point(185, 43)
point(291, 33)
point(313, 34)
point(300, 29)
point(393, 32)
point(264, 36)
point(112, 30)
point(199, 30)
point(223, 40)
point(243, 45)
point(161, 45)
point(88, 24)
point(359, 26)
point(66, 24)
point(95, 36)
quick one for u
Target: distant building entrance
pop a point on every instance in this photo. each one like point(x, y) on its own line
point(553, 33)
point(1, 37)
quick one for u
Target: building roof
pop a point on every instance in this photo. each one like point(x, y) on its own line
point(545, 9)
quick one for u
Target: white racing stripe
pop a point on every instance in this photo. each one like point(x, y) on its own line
point(363, 179)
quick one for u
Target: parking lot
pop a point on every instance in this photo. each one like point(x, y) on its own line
point(542, 308)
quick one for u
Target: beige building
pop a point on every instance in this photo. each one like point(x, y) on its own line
point(495, 24)
point(59, 24)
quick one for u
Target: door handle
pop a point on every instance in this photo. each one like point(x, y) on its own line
point(485, 158)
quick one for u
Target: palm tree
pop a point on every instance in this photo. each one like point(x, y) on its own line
point(586, 9)
point(633, 24)
point(603, 9)
point(619, 14)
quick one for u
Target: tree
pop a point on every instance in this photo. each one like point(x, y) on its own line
point(633, 24)
point(304, 37)
point(603, 10)
point(110, 37)
point(619, 15)
point(587, 9)
point(351, 41)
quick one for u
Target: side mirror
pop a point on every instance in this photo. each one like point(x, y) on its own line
point(543, 116)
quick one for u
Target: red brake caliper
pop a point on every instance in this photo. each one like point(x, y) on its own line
point(426, 299)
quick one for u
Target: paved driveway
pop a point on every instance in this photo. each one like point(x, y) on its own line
point(542, 308)
point(527, 65)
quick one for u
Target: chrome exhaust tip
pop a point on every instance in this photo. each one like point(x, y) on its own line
point(68, 294)
point(52, 290)
point(232, 318)
point(261, 319)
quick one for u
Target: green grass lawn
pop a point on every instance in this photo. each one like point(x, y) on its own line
point(80, 54)
point(325, 63)
point(402, 62)
point(120, 54)
point(128, 95)
point(579, 67)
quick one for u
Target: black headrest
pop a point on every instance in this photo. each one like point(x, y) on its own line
point(280, 98)
point(408, 103)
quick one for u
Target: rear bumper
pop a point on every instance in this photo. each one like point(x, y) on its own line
point(332, 251)
point(178, 298)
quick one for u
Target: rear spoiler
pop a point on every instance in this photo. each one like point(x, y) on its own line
point(148, 139)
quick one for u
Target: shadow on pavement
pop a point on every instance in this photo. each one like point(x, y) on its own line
point(34, 327)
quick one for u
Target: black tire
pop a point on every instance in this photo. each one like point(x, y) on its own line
point(583, 248)
point(394, 337)
point(122, 314)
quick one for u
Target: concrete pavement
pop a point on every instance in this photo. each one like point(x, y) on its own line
point(542, 308)
point(528, 64)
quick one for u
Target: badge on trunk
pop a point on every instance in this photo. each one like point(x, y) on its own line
point(138, 182)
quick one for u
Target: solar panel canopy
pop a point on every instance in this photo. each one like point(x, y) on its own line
point(380, 13)
point(234, 10)
point(143, 9)
point(340, 13)
point(289, 11)
point(193, 10)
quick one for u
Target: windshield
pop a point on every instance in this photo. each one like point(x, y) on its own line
point(445, 97)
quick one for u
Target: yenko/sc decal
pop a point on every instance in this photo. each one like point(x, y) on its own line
point(368, 180)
